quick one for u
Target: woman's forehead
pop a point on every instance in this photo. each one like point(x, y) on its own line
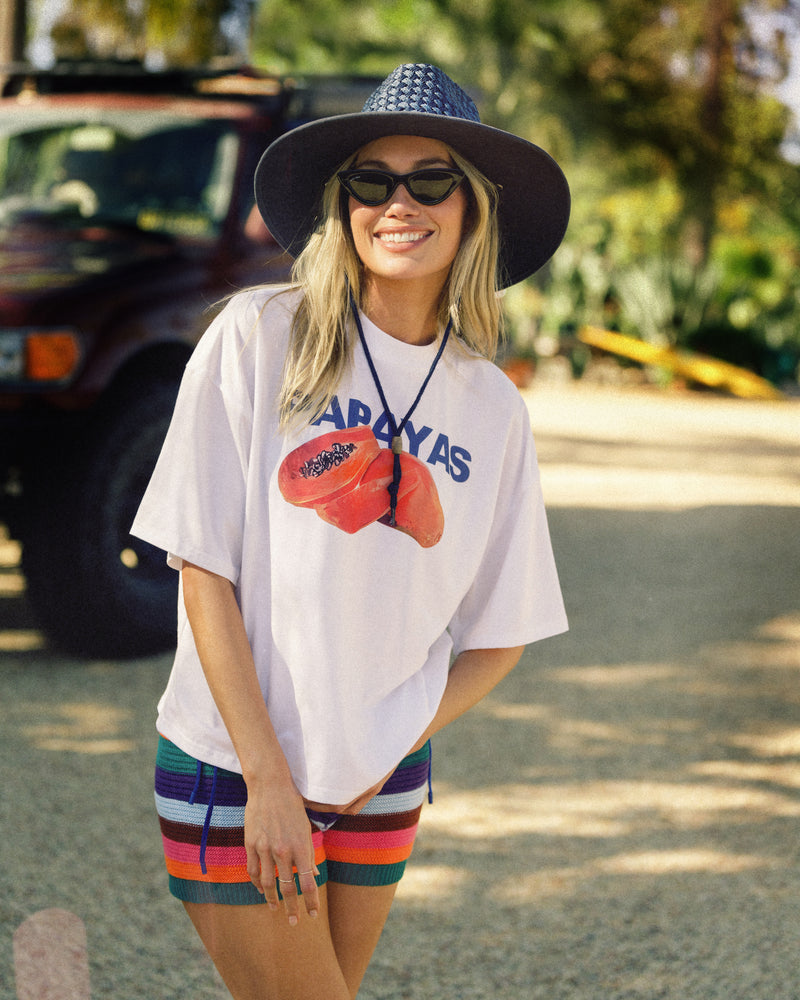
point(391, 150)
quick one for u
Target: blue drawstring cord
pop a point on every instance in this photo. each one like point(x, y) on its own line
point(209, 811)
point(430, 773)
point(395, 428)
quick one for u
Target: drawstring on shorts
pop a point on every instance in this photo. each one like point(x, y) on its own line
point(430, 773)
point(209, 811)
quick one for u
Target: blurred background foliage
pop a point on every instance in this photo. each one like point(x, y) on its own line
point(666, 116)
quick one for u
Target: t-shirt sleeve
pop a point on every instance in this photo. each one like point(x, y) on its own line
point(194, 505)
point(515, 596)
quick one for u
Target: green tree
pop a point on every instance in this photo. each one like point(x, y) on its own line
point(175, 32)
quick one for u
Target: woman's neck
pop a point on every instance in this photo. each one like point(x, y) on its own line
point(404, 315)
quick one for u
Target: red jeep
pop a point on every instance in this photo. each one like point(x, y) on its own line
point(126, 215)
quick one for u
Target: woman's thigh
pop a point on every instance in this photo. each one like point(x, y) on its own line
point(261, 957)
point(357, 914)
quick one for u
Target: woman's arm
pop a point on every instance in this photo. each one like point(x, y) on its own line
point(474, 673)
point(277, 831)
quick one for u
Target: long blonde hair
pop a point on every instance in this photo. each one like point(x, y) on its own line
point(329, 270)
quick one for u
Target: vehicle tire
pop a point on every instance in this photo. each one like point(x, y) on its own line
point(95, 590)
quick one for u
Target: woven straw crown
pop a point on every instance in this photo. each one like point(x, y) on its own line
point(423, 89)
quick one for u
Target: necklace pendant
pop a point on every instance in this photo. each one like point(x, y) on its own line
point(397, 445)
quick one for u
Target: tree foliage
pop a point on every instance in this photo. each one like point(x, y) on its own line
point(175, 32)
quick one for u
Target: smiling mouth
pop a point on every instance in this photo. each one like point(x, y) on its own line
point(405, 237)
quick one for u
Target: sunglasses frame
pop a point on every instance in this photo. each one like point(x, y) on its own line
point(346, 177)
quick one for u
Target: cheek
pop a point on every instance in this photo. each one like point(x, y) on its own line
point(361, 220)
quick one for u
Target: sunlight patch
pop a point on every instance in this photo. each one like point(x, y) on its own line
point(82, 727)
point(424, 881)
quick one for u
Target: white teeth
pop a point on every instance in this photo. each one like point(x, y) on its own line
point(401, 237)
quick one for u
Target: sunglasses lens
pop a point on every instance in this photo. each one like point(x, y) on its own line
point(374, 187)
point(371, 187)
point(430, 187)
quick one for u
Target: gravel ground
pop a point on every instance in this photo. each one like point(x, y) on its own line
point(620, 819)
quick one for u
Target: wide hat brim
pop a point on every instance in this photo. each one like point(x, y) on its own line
point(534, 203)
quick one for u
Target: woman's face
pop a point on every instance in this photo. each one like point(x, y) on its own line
point(403, 240)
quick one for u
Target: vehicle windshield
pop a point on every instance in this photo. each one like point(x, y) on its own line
point(156, 172)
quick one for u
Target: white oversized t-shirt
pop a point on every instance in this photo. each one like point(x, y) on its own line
point(352, 633)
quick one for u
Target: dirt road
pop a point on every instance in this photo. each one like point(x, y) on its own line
point(620, 819)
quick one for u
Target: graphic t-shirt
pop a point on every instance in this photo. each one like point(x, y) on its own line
point(352, 621)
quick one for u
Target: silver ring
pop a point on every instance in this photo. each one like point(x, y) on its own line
point(286, 881)
point(310, 872)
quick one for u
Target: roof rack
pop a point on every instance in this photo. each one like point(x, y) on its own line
point(300, 98)
point(75, 77)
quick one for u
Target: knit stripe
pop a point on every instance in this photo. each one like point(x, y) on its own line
point(382, 804)
point(215, 873)
point(369, 855)
point(348, 874)
point(336, 840)
point(229, 791)
point(188, 833)
point(406, 779)
point(182, 812)
point(228, 894)
point(218, 857)
point(365, 823)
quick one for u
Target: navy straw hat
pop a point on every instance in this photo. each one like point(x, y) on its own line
point(420, 100)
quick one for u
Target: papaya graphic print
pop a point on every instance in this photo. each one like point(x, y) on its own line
point(345, 476)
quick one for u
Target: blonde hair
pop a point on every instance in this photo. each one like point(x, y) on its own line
point(329, 270)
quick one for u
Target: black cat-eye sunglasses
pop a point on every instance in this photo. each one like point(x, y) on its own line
point(430, 186)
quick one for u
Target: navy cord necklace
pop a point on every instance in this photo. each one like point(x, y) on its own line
point(395, 428)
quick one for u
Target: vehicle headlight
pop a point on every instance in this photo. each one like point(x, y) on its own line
point(42, 357)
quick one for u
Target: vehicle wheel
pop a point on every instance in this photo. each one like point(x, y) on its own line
point(95, 589)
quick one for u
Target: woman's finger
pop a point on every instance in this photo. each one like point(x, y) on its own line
point(308, 886)
point(261, 875)
point(288, 888)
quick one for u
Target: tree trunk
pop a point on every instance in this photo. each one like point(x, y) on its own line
point(719, 23)
point(13, 30)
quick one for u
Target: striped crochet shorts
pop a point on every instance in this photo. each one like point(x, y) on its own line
point(201, 811)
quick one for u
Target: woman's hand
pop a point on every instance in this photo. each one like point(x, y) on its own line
point(277, 836)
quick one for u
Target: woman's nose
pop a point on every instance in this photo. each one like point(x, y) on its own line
point(401, 202)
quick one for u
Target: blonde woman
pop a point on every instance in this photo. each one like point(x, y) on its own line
point(349, 491)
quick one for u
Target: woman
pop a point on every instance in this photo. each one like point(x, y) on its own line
point(349, 490)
